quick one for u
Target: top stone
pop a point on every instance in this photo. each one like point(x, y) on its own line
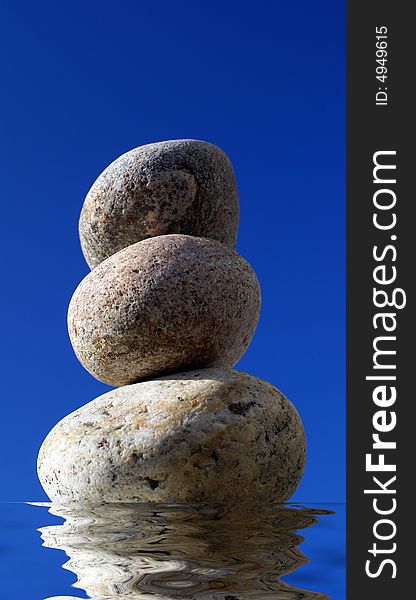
point(179, 186)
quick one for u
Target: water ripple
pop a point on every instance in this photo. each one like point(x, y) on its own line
point(172, 551)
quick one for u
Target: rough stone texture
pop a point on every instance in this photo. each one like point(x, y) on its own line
point(166, 304)
point(179, 186)
point(210, 435)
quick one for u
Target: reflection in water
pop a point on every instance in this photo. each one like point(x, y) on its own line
point(197, 552)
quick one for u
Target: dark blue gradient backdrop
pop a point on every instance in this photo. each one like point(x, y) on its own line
point(83, 82)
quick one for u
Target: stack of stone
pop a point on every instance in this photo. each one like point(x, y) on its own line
point(168, 308)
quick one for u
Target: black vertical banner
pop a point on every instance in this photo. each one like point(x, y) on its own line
point(381, 257)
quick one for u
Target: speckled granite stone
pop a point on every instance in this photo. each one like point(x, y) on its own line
point(178, 186)
point(209, 435)
point(163, 305)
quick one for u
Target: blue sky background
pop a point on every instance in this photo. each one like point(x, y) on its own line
point(83, 82)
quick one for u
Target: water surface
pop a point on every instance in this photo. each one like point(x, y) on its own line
point(195, 552)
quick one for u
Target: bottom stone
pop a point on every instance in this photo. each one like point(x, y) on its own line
point(210, 435)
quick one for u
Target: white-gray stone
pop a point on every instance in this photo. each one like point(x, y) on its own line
point(177, 186)
point(209, 435)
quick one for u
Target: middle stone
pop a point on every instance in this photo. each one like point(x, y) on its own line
point(163, 305)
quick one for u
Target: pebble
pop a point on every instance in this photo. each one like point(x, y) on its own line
point(212, 435)
point(178, 186)
point(166, 304)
